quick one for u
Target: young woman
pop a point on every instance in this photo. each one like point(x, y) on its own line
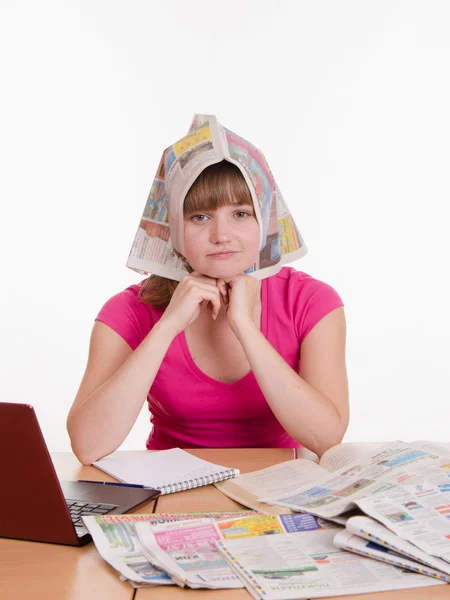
point(224, 360)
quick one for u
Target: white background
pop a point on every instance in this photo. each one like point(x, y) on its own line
point(350, 101)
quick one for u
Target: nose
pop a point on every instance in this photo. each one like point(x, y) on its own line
point(221, 230)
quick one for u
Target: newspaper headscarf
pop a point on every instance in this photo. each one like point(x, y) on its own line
point(161, 229)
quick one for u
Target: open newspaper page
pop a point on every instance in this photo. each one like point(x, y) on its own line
point(417, 508)
point(187, 551)
point(345, 454)
point(373, 473)
point(118, 544)
point(372, 531)
point(283, 478)
point(353, 543)
point(442, 448)
point(309, 565)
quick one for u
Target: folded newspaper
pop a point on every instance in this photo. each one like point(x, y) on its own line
point(406, 487)
point(117, 542)
point(297, 565)
point(161, 227)
point(366, 536)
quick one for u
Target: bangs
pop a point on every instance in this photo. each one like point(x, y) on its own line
point(218, 185)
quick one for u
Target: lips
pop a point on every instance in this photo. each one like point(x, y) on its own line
point(222, 254)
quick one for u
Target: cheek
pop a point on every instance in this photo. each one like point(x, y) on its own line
point(192, 242)
point(252, 239)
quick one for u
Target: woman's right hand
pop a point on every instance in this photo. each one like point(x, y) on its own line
point(185, 304)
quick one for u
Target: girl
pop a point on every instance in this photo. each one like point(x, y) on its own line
point(224, 360)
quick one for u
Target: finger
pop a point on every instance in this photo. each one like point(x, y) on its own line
point(223, 289)
point(215, 308)
point(205, 292)
point(227, 293)
point(198, 279)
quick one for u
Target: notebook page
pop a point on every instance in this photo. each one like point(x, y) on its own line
point(157, 469)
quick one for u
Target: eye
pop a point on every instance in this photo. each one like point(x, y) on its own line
point(199, 218)
point(242, 214)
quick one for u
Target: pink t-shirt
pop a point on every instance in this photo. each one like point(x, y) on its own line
point(188, 408)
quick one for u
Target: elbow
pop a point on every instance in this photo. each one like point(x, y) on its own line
point(323, 445)
point(333, 439)
point(85, 458)
point(322, 441)
point(82, 454)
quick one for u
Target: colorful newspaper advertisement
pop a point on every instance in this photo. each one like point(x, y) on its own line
point(188, 553)
point(309, 565)
point(160, 234)
point(117, 542)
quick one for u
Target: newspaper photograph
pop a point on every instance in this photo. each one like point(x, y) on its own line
point(309, 565)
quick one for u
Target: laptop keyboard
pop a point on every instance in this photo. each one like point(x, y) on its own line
point(83, 509)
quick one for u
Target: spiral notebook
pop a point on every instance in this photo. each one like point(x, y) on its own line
point(170, 471)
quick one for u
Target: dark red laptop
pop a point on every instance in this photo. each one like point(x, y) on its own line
point(34, 504)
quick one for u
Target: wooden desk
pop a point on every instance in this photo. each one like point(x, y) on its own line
point(48, 572)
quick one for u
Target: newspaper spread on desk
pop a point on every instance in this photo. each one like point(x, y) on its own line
point(309, 565)
point(404, 486)
point(164, 549)
point(118, 544)
point(161, 227)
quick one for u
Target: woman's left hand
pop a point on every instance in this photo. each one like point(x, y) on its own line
point(242, 299)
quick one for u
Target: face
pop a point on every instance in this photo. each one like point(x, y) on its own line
point(222, 243)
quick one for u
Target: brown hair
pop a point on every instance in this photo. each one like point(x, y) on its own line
point(218, 185)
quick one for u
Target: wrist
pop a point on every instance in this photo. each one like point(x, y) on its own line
point(243, 327)
point(164, 328)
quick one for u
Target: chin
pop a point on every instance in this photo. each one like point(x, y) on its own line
point(224, 271)
point(222, 274)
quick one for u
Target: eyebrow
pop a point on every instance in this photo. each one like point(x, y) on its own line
point(203, 210)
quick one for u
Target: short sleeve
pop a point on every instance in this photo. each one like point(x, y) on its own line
point(127, 315)
point(313, 299)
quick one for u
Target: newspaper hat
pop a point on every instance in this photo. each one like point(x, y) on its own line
point(161, 229)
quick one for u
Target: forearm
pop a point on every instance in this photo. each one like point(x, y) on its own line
point(307, 415)
point(103, 420)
